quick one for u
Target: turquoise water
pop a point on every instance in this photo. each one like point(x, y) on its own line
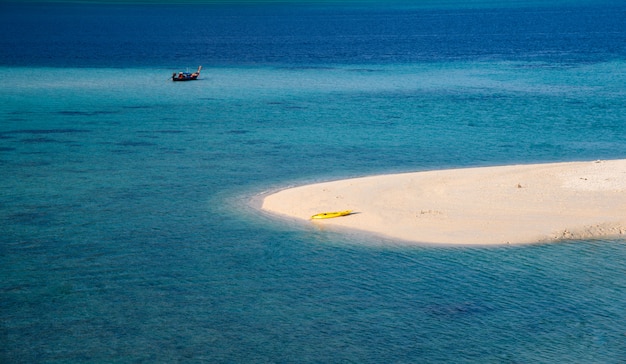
point(129, 227)
point(129, 233)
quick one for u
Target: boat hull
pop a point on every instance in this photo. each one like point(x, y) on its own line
point(184, 78)
point(330, 215)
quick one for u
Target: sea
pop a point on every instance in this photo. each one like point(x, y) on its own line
point(130, 228)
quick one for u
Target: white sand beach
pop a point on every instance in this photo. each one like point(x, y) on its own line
point(489, 205)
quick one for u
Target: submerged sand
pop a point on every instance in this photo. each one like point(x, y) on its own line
point(490, 205)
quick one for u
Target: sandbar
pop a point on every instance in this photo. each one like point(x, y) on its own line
point(513, 204)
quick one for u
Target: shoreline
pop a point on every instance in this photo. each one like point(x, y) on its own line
point(514, 204)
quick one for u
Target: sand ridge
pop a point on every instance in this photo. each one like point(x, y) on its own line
point(486, 205)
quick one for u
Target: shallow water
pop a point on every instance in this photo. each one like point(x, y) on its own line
point(128, 235)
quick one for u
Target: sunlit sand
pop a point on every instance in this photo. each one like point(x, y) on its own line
point(490, 205)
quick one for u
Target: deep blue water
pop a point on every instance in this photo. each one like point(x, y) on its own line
point(127, 228)
point(168, 35)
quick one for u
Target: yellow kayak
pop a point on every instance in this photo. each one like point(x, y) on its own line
point(328, 215)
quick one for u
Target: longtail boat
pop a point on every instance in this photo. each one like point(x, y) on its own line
point(186, 76)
